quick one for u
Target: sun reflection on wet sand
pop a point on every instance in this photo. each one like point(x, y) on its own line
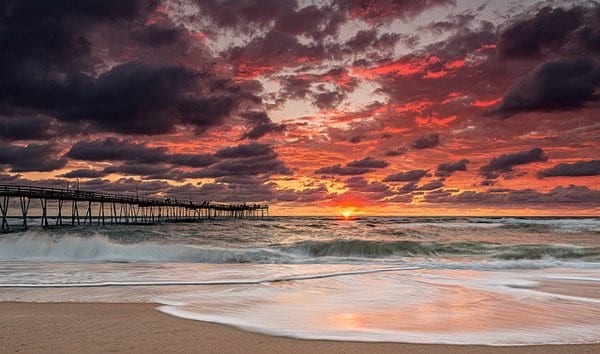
point(440, 303)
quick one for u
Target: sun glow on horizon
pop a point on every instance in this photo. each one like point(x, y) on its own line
point(349, 213)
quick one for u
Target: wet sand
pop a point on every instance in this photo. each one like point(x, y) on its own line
point(140, 328)
point(589, 290)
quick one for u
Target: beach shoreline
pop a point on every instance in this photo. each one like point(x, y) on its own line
point(140, 328)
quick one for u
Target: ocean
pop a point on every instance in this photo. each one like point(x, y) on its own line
point(493, 281)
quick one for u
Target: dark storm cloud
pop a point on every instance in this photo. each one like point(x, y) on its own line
point(431, 185)
point(311, 21)
point(83, 173)
point(359, 187)
point(295, 87)
point(46, 35)
point(315, 22)
point(577, 169)
point(132, 98)
point(356, 167)
point(112, 149)
point(371, 39)
point(359, 183)
point(368, 162)
point(338, 169)
point(251, 166)
point(32, 157)
point(355, 139)
point(141, 98)
point(396, 152)
point(25, 128)
point(240, 13)
point(548, 28)
point(566, 31)
point(559, 195)
point(448, 168)
point(328, 99)
point(261, 125)
point(506, 162)
point(130, 86)
point(561, 84)
point(156, 35)
point(245, 150)
point(158, 163)
point(408, 176)
point(426, 142)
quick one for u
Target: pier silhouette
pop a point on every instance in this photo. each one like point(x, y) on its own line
point(122, 209)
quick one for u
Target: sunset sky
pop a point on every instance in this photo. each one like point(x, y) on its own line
point(421, 107)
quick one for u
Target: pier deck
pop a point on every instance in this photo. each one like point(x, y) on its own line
point(122, 209)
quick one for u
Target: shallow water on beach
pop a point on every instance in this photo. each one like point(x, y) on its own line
point(496, 281)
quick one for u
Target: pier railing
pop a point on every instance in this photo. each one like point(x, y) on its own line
point(123, 209)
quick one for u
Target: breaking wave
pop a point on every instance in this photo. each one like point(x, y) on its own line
point(372, 249)
point(102, 249)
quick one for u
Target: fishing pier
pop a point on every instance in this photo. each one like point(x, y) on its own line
point(77, 207)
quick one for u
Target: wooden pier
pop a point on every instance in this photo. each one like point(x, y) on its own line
point(77, 207)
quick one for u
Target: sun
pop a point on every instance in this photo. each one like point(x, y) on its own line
point(346, 214)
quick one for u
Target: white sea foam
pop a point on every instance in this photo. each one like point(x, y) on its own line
point(100, 248)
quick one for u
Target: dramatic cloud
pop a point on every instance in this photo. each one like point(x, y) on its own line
point(426, 142)
point(368, 162)
point(559, 195)
point(396, 152)
point(32, 157)
point(112, 149)
point(568, 31)
point(561, 84)
point(258, 165)
point(261, 125)
point(549, 27)
point(506, 162)
point(356, 167)
point(577, 169)
point(245, 150)
point(446, 169)
point(25, 128)
point(408, 176)
point(83, 173)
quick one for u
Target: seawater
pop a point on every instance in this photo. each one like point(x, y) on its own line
point(495, 281)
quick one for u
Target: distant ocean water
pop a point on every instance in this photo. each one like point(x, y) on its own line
point(496, 281)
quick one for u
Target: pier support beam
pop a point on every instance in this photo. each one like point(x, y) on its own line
point(59, 216)
point(4, 211)
point(44, 203)
point(74, 213)
point(24, 209)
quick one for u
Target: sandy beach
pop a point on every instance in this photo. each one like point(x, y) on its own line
point(140, 328)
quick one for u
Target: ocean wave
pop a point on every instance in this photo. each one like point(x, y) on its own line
point(98, 248)
point(565, 225)
point(102, 249)
point(376, 249)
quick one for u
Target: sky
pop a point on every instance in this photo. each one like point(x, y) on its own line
point(421, 107)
